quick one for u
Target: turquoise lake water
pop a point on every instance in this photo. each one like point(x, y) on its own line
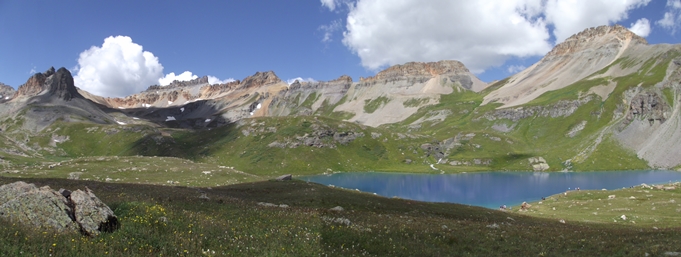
point(489, 189)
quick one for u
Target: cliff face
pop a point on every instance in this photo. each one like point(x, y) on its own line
point(419, 69)
point(419, 72)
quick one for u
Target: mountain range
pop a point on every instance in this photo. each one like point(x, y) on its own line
point(604, 99)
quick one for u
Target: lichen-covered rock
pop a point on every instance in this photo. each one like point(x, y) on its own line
point(41, 208)
point(92, 214)
point(63, 211)
point(10, 191)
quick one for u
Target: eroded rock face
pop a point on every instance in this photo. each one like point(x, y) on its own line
point(419, 69)
point(648, 105)
point(259, 79)
point(63, 211)
point(562, 108)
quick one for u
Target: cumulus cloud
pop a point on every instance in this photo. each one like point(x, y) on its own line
point(214, 80)
point(641, 27)
point(672, 16)
point(121, 67)
point(479, 33)
point(118, 68)
point(299, 79)
point(170, 77)
point(513, 69)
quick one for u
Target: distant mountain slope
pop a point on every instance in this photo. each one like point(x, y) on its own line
point(372, 101)
point(50, 96)
point(636, 86)
point(602, 100)
point(578, 57)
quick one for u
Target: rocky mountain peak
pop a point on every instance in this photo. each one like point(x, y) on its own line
point(344, 78)
point(419, 69)
point(259, 79)
point(57, 83)
point(180, 84)
point(594, 38)
point(6, 92)
point(197, 81)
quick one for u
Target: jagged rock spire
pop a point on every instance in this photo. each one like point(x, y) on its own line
point(57, 83)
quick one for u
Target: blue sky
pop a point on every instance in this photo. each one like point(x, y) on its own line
point(315, 39)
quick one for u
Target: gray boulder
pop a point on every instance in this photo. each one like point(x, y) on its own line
point(41, 208)
point(61, 211)
point(92, 214)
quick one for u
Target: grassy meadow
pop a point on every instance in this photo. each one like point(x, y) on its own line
point(293, 218)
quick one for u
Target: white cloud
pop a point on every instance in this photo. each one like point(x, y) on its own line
point(479, 33)
point(672, 16)
point(668, 21)
point(299, 79)
point(331, 4)
point(513, 69)
point(118, 68)
point(335, 5)
point(214, 80)
point(170, 77)
point(572, 16)
point(330, 29)
point(641, 27)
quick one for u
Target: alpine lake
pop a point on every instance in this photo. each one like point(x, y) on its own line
point(489, 189)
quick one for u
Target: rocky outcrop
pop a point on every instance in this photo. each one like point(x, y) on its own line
point(440, 149)
point(259, 79)
point(323, 138)
point(35, 83)
point(343, 79)
point(59, 84)
point(649, 106)
point(63, 211)
point(418, 69)
point(562, 108)
point(6, 92)
point(210, 91)
point(419, 72)
point(538, 163)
